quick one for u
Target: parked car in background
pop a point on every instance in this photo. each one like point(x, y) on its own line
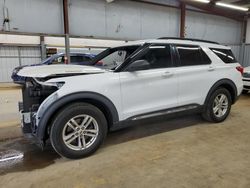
point(246, 80)
point(59, 58)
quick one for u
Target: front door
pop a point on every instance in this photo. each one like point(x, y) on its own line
point(149, 83)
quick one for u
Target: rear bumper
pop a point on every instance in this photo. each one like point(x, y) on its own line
point(246, 84)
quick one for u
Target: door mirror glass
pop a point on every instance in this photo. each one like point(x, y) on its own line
point(139, 65)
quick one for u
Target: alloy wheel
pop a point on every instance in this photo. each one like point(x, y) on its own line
point(80, 132)
point(220, 105)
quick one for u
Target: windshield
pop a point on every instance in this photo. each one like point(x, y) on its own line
point(113, 57)
point(49, 58)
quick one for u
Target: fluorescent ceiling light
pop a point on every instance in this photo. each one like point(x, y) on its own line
point(231, 6)
point(202, 1)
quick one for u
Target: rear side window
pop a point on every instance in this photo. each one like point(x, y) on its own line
point(225, 55)
point(78, 59)
point(86, 58)
point(192, 55)
point(75, 59)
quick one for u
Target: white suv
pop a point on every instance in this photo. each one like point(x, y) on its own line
point(75, 106)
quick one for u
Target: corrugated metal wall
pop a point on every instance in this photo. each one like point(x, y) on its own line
point(120, 19)
point(237, 52)
point(34, 15)
point(124, 19)
point(13, 56)
point(246, 55)
point(212, 27)
point(242, 53)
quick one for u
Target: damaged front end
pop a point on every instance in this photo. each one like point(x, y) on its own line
point(39, 93)
point(34, 92)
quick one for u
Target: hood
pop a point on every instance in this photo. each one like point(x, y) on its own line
point(22, 66)
point(57, 70)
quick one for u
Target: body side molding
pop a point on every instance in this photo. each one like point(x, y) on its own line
point(169, 113)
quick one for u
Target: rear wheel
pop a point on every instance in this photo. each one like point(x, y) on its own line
point(78, 130)
point(218, 106)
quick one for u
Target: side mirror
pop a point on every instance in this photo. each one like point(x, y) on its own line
point(138, 65)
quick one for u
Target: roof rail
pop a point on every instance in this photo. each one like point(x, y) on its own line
point(198, 40)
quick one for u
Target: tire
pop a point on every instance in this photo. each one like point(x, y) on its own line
point(244, 91)
point(78, 130)
point(219, 114)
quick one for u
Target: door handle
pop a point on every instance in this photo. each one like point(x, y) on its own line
point(167, 74)
point(211, 68)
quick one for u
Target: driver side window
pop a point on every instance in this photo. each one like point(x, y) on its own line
point(114, 59)
point(157, 56)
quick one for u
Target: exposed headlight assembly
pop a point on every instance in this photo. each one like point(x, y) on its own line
point(55, 84)
point(52, 84)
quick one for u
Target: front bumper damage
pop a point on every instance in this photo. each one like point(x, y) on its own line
point(33, 95)
point(28, 126)
point(27, 120)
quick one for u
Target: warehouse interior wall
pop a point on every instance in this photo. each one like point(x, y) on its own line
point(214, 28)
point(126, 20)
point(248, 32)
point(117, 22)
point(122, 19)
point(33, 16)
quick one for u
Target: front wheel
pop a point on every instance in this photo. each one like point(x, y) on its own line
point(218, 106)
point(78, 130)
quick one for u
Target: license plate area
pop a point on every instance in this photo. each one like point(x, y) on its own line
point(26, 123)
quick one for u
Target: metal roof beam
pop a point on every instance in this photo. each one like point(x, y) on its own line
point(241, 2)
point(209, 7)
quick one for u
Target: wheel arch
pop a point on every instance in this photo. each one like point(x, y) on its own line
point(103, 103)
point(225, 83)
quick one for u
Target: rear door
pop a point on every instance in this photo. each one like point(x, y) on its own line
point(195, 73)
point(152, 86)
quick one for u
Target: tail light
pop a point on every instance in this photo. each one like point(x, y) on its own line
point(240, 69)
point(99, 63)
point(66, 60)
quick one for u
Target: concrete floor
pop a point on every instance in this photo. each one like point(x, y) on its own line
point(181, 152)
point(8, 104)
point(9, 115)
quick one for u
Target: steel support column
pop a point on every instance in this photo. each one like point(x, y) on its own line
point(244, 30)
point(66, 29)
point(43, 48)
point(243, 42)
point(19, 56)
point(183, 20)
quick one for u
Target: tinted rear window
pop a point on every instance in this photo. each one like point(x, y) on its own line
point(192, 55)
point(225, 55)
